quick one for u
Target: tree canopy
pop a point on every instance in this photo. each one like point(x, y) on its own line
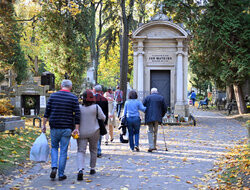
point(220, 49)
point(11, 54)
point(70, 36)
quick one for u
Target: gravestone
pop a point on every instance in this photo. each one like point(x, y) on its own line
point(48, 78)
point(11, 123)
point(91, 75)
point(11, 76)
point(161, 61)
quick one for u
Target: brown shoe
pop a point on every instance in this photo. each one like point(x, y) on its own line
point(150, 150)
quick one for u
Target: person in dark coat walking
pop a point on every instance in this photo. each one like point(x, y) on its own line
point(156, 109)
point(103, 103)
point(63, 113)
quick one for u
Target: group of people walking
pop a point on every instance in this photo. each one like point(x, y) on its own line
point(67, 117)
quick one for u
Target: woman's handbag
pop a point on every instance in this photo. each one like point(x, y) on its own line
point(103, 130)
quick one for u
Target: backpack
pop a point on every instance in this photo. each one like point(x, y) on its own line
point(123, 131)
point(118, 97)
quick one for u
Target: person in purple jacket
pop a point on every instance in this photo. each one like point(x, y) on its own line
point(131, 112)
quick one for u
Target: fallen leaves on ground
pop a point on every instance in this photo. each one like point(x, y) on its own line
point(15, 150)
point(234, 169)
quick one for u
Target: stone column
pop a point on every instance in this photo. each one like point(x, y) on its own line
point(140, 75)
point(135, 67)
point(179, 71)
point(185, 77)
point(180, 107)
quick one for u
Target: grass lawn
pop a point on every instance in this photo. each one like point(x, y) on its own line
point(15, 149)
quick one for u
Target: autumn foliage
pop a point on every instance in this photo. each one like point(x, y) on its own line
point(6, 108)
point(234, 170)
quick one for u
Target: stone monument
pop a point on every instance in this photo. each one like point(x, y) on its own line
point(161, 61)
point(30, 98)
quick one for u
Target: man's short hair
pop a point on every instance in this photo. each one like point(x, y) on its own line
point(154, 90)
point(66, 83)
point(98, 88)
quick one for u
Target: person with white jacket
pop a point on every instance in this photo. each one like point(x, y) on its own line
point(111, 120)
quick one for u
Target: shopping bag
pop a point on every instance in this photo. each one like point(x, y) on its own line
point(73, 144)
point(126, 136)
point(40, 150)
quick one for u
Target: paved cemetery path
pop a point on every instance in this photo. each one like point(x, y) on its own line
point(192, 153)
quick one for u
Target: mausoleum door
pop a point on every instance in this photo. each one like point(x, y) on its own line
point(160, 79)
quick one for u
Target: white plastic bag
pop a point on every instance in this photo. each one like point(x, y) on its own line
point(40, 150)
point(73, 144)
point(126, 136)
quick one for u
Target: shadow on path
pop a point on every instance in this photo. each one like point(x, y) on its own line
point(192, 154)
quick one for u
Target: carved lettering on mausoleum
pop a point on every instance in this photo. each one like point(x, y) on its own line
point(160, 59)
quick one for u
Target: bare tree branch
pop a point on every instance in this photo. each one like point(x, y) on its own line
point(27, 20)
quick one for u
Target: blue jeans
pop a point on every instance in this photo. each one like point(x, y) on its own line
point(134, 124)
point(62, 137)
point(99, 150)
point(193, 100)
point(202, 102)
point(118, 109)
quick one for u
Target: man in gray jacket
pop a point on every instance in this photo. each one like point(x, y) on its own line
point(156, 109)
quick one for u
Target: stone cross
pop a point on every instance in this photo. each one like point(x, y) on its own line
point(11, 78)
point(161, 8)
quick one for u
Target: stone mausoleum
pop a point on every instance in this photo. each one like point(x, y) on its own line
point(161, 61)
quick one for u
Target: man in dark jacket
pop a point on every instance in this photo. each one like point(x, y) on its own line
point(103, 103)
point(63, 112)
point(156, 109)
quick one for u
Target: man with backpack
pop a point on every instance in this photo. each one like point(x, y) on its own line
point(119, 100)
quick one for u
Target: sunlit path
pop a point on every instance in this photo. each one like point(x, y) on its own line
point(192, 154)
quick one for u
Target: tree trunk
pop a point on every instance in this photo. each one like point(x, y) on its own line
point(124, 51)
point(121, 53)
point(36, 65)
point(126, 22)
point(98, 40)
point(92, 41)
point(239, 99)
point(230, 91)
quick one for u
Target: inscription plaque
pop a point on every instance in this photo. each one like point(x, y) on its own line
point(160, 58)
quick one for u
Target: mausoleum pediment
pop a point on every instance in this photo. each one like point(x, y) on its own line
point(160, 29)
point(160, 32)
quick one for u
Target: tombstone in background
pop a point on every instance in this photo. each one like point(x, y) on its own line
point(48, 78)
point(11, 123)
point(30, 98)
point(161, 61)
point(91, 75)
point(6, 86)
point(11, 76)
